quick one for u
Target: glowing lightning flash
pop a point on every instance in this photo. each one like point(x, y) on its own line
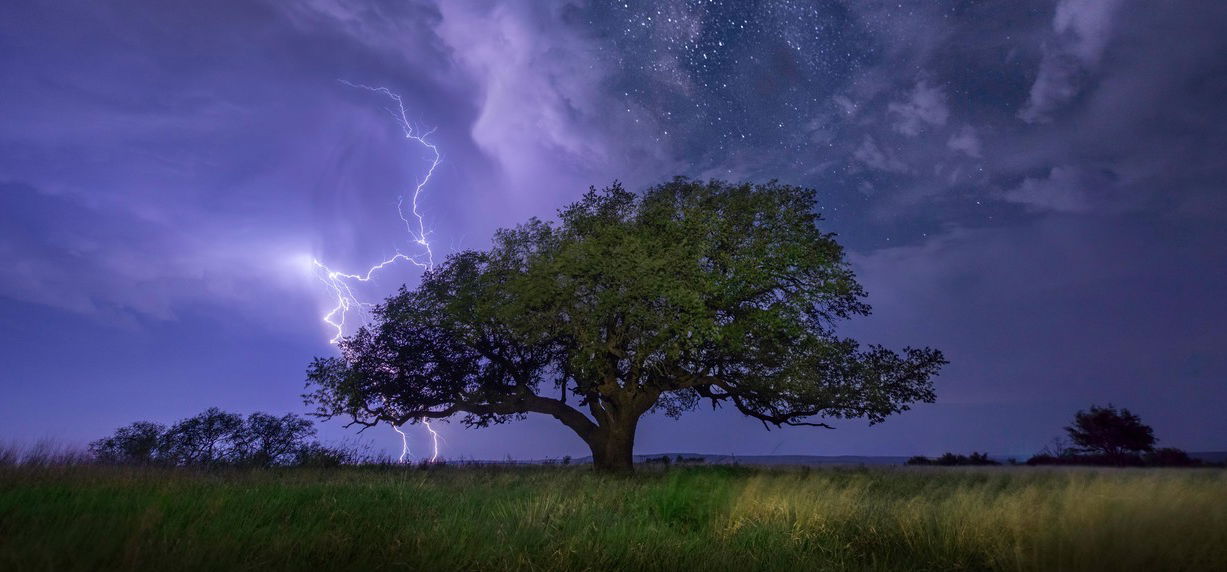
point(404, 444)
point(340, 283)
point(434, 437)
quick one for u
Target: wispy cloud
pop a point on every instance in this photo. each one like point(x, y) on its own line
point(1081, 30)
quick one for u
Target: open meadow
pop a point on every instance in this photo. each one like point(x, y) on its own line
point(712, 517)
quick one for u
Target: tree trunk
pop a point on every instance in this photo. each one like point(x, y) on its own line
point(613, 447)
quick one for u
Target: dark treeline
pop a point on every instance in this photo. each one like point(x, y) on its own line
point(220, 438)
point(953, 460)
point(1162, 457)
point(679, 459)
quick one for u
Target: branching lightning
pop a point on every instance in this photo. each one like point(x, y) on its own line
point(348, 304)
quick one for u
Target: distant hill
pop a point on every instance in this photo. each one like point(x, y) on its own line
point(772, 460)
point(814, 460)
point(1210, 456)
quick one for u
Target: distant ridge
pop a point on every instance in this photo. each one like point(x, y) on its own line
point(805, 460)
point(1210, 456)
point(837, 460)
point(772, 460)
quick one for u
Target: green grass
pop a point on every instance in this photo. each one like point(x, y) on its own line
point(712, 518)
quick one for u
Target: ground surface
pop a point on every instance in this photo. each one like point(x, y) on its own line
point(712, 518)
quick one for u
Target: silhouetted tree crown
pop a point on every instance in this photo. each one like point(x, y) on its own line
point(689, 292)
point(216, 437)
point(139, 443)
point(209, 438)
point(1106, 431)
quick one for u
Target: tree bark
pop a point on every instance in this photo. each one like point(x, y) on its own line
point(613, 446)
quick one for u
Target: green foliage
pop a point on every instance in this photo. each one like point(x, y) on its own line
point(564, 518)
point(691, 291)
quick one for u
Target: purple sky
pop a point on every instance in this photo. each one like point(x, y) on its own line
point(1036, 188)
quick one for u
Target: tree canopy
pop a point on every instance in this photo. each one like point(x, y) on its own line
point(1106, 431)
point(690, 292)
point(215, 437)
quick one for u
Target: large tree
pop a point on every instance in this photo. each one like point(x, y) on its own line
point(629, 303)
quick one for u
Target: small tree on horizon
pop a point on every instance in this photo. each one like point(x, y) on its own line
point(691, 292)
point(139, 443)
point(267, 440)
point(208, 438)
point(1106, 431)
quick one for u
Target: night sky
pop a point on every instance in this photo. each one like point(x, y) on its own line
point(1039, 189)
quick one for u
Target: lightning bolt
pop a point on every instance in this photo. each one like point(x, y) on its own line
point(434, 438)
point(341, 284)
point(404, 444)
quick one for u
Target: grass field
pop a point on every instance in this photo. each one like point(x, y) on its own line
point(713, 518)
